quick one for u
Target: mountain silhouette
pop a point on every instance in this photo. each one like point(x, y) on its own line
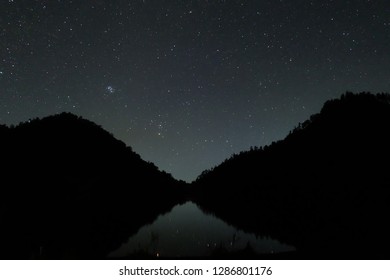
point(325, 188)
point(71, 190)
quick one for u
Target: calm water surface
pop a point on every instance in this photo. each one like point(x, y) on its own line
point(188, 231)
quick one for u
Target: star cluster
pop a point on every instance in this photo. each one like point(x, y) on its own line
point(188, 83)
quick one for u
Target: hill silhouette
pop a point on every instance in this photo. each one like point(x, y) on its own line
point(325, 188)
point(71, 190)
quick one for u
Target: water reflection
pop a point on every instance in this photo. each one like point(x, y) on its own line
point(188, 231)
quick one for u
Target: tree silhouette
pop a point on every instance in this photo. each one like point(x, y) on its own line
point(321, 188)
point(67, 179)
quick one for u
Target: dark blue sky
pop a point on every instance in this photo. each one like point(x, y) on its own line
point(188, 83)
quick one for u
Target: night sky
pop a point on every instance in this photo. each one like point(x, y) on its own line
point(188, 83)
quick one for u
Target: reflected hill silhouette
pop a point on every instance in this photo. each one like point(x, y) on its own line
point(325, 188)
point(71, 190)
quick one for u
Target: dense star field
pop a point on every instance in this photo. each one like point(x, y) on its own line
point(188, 83)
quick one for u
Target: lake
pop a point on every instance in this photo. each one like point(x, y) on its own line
point(187, 231)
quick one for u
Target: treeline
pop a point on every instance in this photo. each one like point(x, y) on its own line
point(324, 186)
point(71, 190)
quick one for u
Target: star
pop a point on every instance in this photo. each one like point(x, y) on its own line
point(245, 72)
point(110, 89)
